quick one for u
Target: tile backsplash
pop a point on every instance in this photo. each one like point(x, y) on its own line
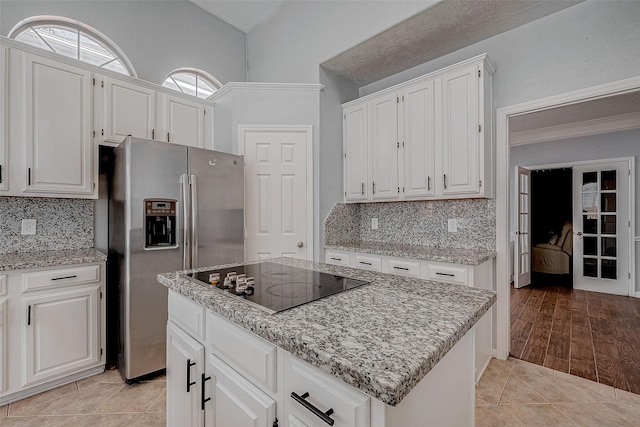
point(415, 223)
point(60, 224)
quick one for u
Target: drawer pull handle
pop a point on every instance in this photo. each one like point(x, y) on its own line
point(189, 382)
point(65, 277)
point(445, 274)
point(324, 416)
point(29, 317)
point(401, 268)
point(202, 398)
point(365, 263)
point(336, 259)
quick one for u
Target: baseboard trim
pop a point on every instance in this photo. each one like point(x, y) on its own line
point(637, 295)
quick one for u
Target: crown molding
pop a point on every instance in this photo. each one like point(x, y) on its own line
point(574, 130)
point(265, 86)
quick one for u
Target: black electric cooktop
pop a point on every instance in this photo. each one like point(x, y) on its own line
point(279, 287)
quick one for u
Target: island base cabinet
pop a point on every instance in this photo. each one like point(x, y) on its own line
point(185, 365)
point(445, 397)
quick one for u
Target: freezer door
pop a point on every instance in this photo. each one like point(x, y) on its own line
point(217, 184)
point(155, 172)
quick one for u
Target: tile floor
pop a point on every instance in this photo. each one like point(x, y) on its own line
point(99, 401)
point(512, 393)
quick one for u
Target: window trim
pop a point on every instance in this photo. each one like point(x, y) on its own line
point(198, 72)
point(44, 20)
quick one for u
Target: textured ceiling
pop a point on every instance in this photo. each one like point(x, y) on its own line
point(611, 106)
point(242, 14)
point(440, 29)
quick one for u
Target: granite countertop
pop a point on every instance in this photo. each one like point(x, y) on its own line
point(40, 259)
point(428, 253)
point(381, 338)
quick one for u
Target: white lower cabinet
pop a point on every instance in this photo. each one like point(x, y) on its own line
point(54, 318)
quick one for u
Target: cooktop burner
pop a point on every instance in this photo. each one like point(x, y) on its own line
point(275, 287)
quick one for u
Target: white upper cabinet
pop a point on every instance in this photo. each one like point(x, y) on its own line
point(58, 149)
point(460, 132)
point(182, 121)
point(126, 109)
point(356, 153)
point(417, 135)
point(383, 157)
point(4, 108)
point(429, 138)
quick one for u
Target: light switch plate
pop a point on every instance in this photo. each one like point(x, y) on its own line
point(374, 223)
point(453, 225)
point(28, 226)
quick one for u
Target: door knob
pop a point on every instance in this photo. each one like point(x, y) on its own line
point(579, 234)
point(300, 244)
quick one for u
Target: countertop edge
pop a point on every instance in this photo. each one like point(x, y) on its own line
point(43, 259)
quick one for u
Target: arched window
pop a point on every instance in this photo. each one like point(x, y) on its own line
point(192, 82)
point(74, 40)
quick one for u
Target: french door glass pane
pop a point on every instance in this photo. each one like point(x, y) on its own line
point(590, 181)
point(608, 180)
point(590, 204)
point(590, 267)
point(524, 183)
point(590, 246)
point(589, 224)
point(609, 269)
point(524, 222)
point(609, 246)
point(608, 224)
point(608, 202)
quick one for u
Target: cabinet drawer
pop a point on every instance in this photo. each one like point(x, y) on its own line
point(351, 408)
point(61, 277)
point(448, 273)
point(404, 267)
point(366, 262)
point(337, 258)
point(187, 314)
point(247, 353)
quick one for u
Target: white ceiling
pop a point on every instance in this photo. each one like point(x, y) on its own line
point(242, 14)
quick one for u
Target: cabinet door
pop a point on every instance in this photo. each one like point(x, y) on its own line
point(3, 337)
point(127, 110)
point(418, 140)
point(355, 150)
point(58, 145)
point(183, 121)
point(185, 364)
point(61, 333)
point(460, 132)
point(383, 158)
point(4, 125)
point(238, 403)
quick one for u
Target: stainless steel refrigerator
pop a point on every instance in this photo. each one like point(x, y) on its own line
point(171, 208)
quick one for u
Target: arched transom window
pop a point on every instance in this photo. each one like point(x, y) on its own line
point(192, 82)
point(74, 40)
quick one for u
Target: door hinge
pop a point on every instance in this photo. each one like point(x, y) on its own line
point(94, 133)
point(397, 100)
point(478, 73)
point(102, 132)
point(398, 190)
point(345, 194)
point(479, 128)
point(345, 155)
point(100, 352)
point(205, 112)
point(102, 83)
point(100, 294)
point(398, 144)
point(94, 189)
point(480, 183)
point(94, 82)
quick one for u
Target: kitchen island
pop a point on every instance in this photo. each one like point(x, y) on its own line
point(404, 342)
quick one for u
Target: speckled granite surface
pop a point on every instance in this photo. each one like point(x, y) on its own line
point(60, 224)
point(450, 255)
point(381, 338)
point(25, 260)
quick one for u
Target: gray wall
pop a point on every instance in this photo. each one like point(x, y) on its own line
point(596, 147)
point(156, 36)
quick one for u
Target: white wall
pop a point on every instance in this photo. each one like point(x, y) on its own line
point(596, 147)
point(304, 34)
point(156, 36)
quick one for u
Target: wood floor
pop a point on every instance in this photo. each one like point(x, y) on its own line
point(588, 334)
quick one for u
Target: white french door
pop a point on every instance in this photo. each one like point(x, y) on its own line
point(522, 258)
point(601, 227)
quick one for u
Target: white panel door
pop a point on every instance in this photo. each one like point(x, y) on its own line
point(237, 402)
point(522, 276)
point(356, 153)
point(127, 110)
point(58, 147)
point(418, 140)
point(278, 195)
point(383, 156)
point(183, 121)
point(185, 364)
point(460, 132)
point(601, 228)
point(61, 333)
point(4, 124)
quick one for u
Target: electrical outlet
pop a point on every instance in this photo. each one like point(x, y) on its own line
point(453, 225)
point(28, 226)
point(374, 223)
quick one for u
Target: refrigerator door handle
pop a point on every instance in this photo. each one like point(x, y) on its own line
point(186, 236)
point(194, 222)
